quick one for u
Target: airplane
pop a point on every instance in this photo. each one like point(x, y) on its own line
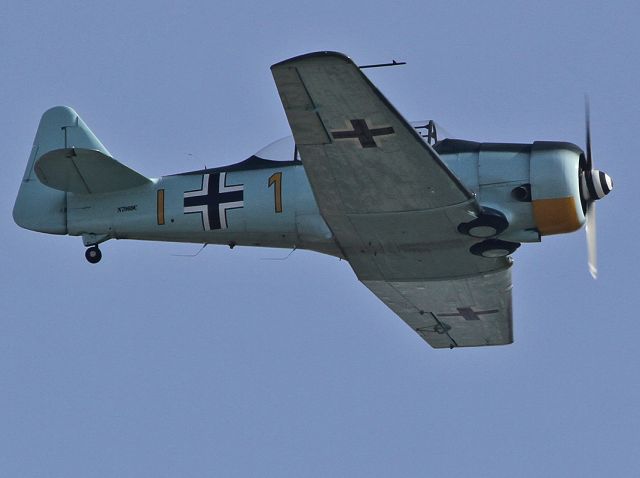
point(428, 225)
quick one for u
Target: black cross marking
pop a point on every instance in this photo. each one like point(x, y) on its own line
point(213, 200)
point(363, 133)
point(469, 314)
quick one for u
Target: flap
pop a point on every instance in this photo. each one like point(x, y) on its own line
point(85, 171)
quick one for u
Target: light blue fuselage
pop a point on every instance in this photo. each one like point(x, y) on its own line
point(278, 208)
point(144, 213)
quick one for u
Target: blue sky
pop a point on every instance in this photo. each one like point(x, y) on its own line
point(227, 364)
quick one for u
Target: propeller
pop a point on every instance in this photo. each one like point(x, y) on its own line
point(594, 185)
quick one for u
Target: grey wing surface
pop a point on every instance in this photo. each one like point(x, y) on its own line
point(393, 205)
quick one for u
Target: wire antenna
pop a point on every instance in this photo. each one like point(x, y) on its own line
point(191, 255)
point(280, 258)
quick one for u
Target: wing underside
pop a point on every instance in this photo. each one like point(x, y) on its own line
point(392, 205)
point(463, 312)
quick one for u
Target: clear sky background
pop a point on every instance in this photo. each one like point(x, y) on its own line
point(227, 364)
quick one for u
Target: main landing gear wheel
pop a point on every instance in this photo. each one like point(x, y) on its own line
point(493, 248)
point(490, 223)
point(93, 254)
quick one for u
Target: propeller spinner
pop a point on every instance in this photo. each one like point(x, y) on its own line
point(594, 185)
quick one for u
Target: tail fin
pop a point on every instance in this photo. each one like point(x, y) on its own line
point(39, 207)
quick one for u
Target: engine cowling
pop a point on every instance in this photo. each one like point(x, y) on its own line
point(555, 171)
point(540, 189)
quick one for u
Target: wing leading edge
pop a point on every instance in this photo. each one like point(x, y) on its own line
point(392, 204)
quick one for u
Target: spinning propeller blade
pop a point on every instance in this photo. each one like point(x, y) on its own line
point(587, 127)
point(590, 226)
point(590, 229)
point(594, 185)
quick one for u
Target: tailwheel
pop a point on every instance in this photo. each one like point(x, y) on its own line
point(93, 254)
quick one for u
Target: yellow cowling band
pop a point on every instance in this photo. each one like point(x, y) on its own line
point(555, 216)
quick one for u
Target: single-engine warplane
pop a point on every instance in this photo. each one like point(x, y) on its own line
point(427, 225)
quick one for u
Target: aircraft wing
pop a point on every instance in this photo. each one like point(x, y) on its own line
point(392, 204)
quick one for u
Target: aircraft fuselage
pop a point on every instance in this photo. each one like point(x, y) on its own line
point(262, 203)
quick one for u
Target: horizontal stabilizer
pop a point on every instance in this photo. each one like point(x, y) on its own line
point(85, 171)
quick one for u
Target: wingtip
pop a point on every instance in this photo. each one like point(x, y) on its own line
point(315, 54)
